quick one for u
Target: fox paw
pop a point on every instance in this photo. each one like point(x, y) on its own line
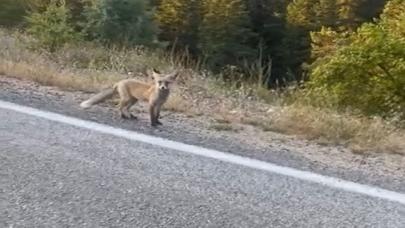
point(123, 116)
point(155, 124)
point(133, 117)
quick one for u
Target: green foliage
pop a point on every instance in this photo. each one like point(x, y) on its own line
point(369, 73)
point(393, 18)
point(301, 13)
point(302, 17)
point(121, 22)
point(306, 16)
point(179, 21)
point(12, 12)
point(225, 32)
point(51, 28)
point(326, 13)
point(268, 22)
point(326, 42)
point(350, 62)
point(352, 13)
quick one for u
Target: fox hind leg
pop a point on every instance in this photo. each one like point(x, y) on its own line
point(126, 102)
point(123, 108)
point(130, 104)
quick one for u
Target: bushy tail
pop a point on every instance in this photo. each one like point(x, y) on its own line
point(103, 95)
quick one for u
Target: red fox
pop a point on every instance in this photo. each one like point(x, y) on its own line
point(132, 91)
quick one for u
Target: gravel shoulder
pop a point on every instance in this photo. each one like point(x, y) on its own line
point(380, 169)
point(65, 176)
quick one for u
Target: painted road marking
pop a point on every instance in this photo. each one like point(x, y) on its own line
point(214, 154)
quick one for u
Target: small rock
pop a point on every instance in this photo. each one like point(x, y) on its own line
point(270, 110)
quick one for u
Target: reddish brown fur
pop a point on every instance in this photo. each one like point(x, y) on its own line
point(132, 91)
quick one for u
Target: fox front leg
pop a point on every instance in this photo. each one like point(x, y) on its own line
point(153, 116)
point(158, 115)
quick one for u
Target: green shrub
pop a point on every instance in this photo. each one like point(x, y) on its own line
point(51, 28)
point(369, 73)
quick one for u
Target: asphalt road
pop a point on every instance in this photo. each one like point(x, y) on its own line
point(58, 175)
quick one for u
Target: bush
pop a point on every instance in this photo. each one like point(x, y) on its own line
point(51, 28)
point(369, 73)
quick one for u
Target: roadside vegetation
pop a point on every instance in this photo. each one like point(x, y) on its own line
point(325, 71)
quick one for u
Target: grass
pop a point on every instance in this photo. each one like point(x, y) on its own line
point(222, 127)
point(44, 74)
point(222, 121)
point(326, 126)
point(177, 103)
point(265, 125)
point(87, 67)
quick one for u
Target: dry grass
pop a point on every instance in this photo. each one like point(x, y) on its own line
point(222, 120)
point(360, 133)
point(89, 68)
point(222, 127)
point(45, 75)
point(19, 62)
point(261, 123)
point(176, 103)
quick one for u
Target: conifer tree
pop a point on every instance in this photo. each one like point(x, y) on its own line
point(179, 21)
point(122, 22)
point(268, 21)
point(51, 28)
point(225, 32)
point(326, 13)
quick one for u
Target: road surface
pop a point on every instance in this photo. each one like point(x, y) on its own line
point(56, 174)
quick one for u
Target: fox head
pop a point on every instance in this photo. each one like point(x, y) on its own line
point(163, 81)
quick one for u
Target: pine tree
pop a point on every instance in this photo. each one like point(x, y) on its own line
point(225, 32)
point(51, 28)
point(326, 13)
point(352, 13)
point(301, 18)
point(179, 21)
point(312, 14)
point(347, 13)
point(121, 22)
point(301, 13)
point(268, 21)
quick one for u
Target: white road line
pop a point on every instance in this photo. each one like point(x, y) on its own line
point(226, 157)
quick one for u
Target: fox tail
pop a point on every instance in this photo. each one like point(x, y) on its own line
point(103, 95)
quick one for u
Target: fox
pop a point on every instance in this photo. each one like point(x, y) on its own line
point(131, 91)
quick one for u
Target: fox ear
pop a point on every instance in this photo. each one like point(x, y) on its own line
point(173, 75)
point(154, 73)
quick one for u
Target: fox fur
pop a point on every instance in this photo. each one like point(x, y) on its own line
point(131, 91)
